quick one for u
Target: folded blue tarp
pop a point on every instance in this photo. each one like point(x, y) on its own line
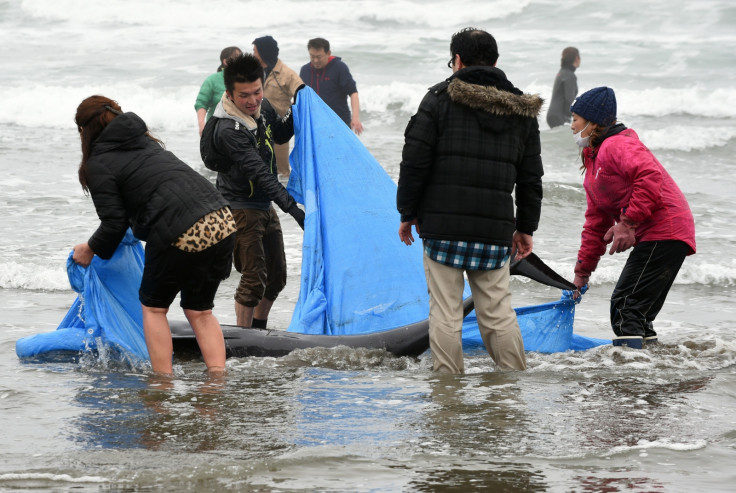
point(545, 328)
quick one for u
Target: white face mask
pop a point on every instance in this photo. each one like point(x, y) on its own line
point(582, 141)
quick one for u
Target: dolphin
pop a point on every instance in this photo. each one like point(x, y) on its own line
point(408, 340)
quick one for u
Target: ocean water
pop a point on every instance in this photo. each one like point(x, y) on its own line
point(355, 420)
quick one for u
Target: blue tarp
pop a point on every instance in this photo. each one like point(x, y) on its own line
point(545, 328)
point(106, 312)
point(357, 277)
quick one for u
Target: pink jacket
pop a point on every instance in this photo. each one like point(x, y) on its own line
point(624, 179)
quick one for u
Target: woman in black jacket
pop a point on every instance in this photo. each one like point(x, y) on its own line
point(185, 222)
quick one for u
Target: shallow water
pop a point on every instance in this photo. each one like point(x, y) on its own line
point(607, 419)
point(344, 420)
point(360, 420)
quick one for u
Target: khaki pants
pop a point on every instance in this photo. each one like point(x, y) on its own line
point(497, 322)
point(281, 151)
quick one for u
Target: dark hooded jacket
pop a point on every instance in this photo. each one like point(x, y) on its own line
point(251, 180)
point(474, 139)
point(135, 183)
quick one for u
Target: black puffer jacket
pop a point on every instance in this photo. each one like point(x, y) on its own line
point(135, 183)
point(474, 138)
point(251, 181)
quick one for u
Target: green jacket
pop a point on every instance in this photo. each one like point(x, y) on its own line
point(210, 93)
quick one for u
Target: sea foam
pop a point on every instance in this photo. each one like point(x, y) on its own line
point(33, 277)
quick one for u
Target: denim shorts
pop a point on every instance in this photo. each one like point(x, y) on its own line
point(197, 275)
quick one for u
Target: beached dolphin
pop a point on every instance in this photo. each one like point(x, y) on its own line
point(408, 340)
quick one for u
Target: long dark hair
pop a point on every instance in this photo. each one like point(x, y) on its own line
point(597, 135)
point(93, 115)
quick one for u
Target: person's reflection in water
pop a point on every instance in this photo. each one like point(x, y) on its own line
point(178, 407)
point(489, 404)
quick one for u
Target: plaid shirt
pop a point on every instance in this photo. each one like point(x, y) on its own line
point(467, 255)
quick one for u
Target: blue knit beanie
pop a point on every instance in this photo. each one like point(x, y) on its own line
point(597, 105)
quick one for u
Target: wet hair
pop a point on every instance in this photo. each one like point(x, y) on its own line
point(569, 55)
point(475, 47)
point(93, 115)
point(227, 53)
point(319, 44)
point(244, 68)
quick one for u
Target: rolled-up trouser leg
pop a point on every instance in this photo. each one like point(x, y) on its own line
point(497, 321)
point(445, 286)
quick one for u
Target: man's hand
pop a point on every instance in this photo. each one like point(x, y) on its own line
point(405, 231)
point(83, 254)
point(622, 235)
point(521, 245)
point(356, 126)
point(298, 215)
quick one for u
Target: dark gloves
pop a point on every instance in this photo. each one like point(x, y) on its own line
point(298, 215)
point(297, 91)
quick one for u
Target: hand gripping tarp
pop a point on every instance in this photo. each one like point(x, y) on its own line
point(357, 277)
point(106, 313)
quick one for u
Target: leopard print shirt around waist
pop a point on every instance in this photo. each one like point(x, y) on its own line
point(208, 231)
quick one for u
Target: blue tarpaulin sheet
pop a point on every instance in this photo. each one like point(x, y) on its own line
point(106, 312)
point(357, 277)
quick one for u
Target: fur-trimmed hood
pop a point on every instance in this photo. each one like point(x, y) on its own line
point(487, 89)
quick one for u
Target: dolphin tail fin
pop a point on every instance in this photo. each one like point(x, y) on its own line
point(532, 267)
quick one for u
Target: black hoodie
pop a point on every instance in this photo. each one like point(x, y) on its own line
point(135, 183)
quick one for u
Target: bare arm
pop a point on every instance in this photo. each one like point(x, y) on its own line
point(201, 115)
point(355, 108)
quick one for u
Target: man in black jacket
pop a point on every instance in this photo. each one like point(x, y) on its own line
point(239, 144)
point(473, 141)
